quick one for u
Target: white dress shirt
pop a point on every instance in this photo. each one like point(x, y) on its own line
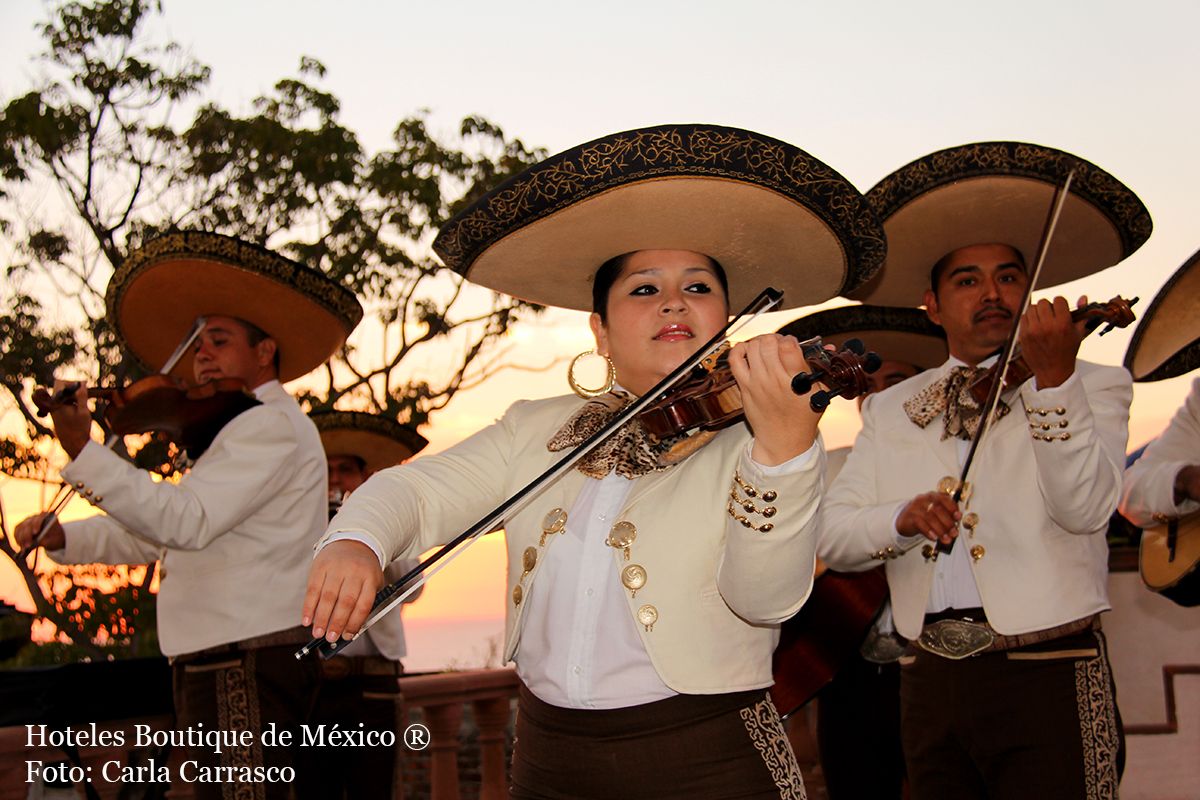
point(953, 580)
point(579, 646)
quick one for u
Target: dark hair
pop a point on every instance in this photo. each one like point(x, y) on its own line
point(935, 274)
point(606, 276)
point(255, 334)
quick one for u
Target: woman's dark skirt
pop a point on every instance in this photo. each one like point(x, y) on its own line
point(701, 747)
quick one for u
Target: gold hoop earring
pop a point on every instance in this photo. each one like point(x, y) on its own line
point(584, 392)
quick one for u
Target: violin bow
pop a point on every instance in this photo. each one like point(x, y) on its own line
point(1010, 346)
point(111, 440)
point(394, 594)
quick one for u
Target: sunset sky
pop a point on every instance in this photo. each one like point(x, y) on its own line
point(866, 87)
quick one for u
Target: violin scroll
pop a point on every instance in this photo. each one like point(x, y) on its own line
point(844, 372)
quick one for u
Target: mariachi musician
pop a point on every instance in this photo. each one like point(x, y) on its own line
point(1006, 690)
point(859, 708)
point(1164, 483)
point(234, 536)
point(643, 603)
point(361, 684)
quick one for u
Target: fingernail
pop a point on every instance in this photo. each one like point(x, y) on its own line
point(347, 635)
point(317, 632)
point(331, 636)
point(306, 621)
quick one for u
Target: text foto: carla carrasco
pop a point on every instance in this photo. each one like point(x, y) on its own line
point(210, 739)
point(153, 772)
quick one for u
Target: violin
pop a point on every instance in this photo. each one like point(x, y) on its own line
point(710, 399)
point(1116, 313)
point(189, 416)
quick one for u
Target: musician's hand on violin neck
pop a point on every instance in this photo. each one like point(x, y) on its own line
point(27, 530)
point(342, 584)
point(932, 515)
point(1050, 341)
point(784, 426)
point(72, 420)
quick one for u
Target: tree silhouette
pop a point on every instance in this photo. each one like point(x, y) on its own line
point(117, 142)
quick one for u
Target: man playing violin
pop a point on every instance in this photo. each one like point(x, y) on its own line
point(1006, 689)
point(234, 535)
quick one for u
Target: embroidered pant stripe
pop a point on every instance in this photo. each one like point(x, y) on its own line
point(688, 746)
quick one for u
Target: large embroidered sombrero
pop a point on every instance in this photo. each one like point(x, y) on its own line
point(1167, 340)
point(379, 441)
point(770, 213)
point(896, 334)
point(999, 193)
point(160, 289)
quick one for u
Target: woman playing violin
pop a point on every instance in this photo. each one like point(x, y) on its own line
point(643, 598)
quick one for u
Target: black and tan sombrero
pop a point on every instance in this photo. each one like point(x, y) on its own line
point(160, 289)
point(999, 193)
point(1166, 342)
point(770, 213)
point(379, 441)
point(896, 334)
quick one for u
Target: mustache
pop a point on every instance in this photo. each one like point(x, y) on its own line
point(991, 310)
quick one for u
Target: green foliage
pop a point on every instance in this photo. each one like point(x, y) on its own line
point(119, 142)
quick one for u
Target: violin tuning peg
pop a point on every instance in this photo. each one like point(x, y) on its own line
point(855, 346)
point(819, 401)
point(872, 362)
point(803, 383)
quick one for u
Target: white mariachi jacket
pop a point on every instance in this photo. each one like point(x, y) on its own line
point(1039, 553)
point(234, 535)
point(1149, 491)
point(715, 589)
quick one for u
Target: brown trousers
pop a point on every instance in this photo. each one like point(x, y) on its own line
point(244, 690)
point(1039, 721)
point(373, 700)
point(699, 747)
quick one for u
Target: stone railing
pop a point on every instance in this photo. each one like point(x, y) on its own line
point(463, 760)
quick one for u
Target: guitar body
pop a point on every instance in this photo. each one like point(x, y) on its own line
point(1169, 556)
point(826, 631)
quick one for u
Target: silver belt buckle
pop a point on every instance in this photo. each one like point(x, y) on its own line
point(956, 638)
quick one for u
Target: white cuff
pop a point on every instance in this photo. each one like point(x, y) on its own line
point(789, 467)
point(354, 536)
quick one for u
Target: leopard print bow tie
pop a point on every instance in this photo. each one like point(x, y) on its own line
point(630, 451)
point(951, 397)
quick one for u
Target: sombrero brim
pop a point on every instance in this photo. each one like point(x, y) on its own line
point(770, 213)
point(1166, 342)
point(999, 193)
point(160, 289)
point(896, 334)
point(379, 441)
